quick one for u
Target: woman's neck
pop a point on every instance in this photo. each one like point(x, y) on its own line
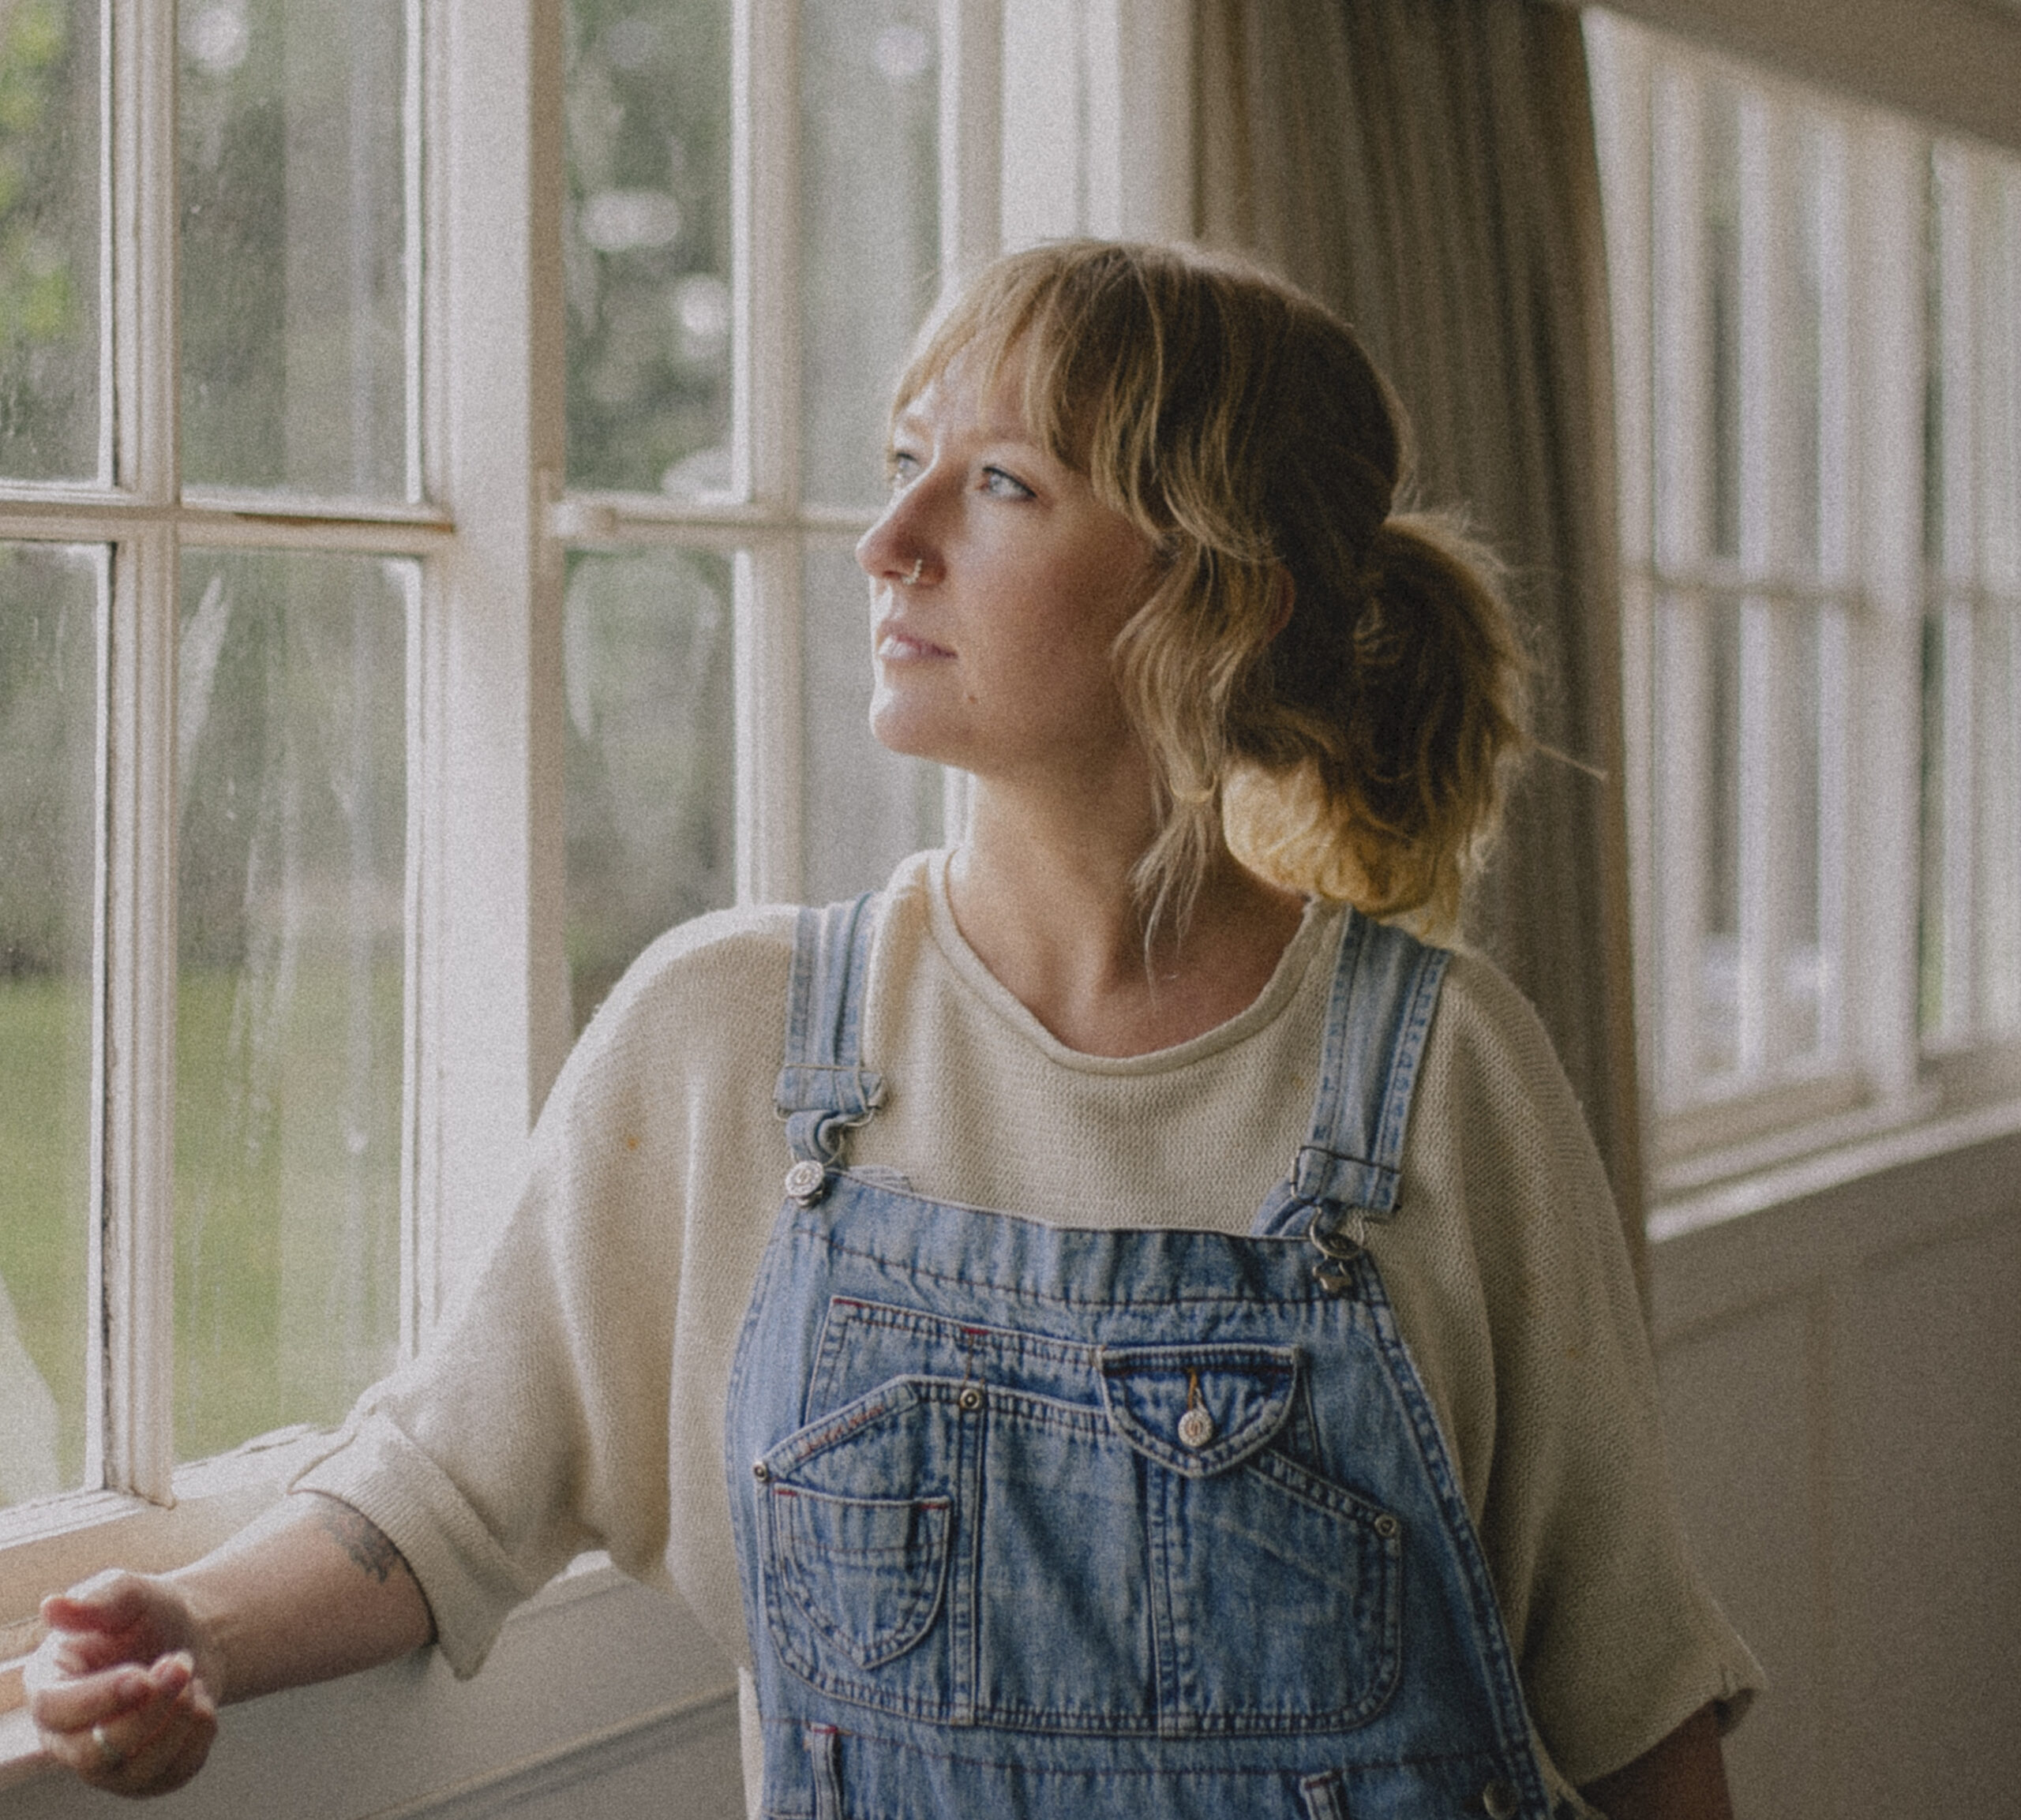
point(1045, 898)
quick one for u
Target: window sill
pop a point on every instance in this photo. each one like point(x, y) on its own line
point(593, 1674)
point(1733, 1185)
point(56, 1542)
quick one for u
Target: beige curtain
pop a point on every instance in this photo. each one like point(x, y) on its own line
point(1427, 167)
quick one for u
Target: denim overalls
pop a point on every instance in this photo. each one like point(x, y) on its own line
point(1037, 1520)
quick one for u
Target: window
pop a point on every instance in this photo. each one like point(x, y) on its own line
point(433, 435)
point(215, 540)
point(1818, 330)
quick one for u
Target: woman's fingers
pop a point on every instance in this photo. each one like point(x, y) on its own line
point(113, 1617)
point(75, 1702)
point(155, 1749)
point(132, 1745)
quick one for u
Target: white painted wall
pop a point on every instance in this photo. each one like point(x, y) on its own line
point(1841, 1379)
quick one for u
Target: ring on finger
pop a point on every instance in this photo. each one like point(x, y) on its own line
point(111, 1759)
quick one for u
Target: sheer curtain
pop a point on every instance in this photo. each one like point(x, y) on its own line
point(1427, 167)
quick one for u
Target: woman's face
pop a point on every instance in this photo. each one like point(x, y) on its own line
point(997, 657)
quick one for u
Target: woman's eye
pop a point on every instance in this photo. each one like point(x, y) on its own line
point(1005, 485)
point(900, 466)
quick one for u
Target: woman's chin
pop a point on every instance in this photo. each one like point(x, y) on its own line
point(912, 734)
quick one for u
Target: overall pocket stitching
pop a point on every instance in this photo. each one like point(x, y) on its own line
point(869, 1646)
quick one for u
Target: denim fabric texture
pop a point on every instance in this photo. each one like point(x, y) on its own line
point(1047, 1521)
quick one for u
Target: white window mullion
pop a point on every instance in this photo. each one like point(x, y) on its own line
point(137, 1209)
point(765, 204)
point(144, 292)
point(417, 86)
point(131, 1421)
point(1044, 120)
point(1681, 341)
point(971, 141)
point(496, 986)
point(1837, 677)
point(1764, 481)
point(1139, 113)
point(1954, 574)
point(1885, 174)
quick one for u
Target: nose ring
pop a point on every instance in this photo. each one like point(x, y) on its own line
point(919, 563)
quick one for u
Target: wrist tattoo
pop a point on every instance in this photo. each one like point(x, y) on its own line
point(360, 1537)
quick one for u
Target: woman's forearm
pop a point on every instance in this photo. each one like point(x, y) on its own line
point(1682, 1778)
point(125, 1686)
point(311, 1591)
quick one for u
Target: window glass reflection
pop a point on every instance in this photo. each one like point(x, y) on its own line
point(50, 614)
point(291, 778)
point(869, 225)
point(646, 245)
point(651, 755)
point(49, 154)
point(296, 271)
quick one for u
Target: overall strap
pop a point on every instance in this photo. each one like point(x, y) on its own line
point(1386, 986)
point(823, 1090)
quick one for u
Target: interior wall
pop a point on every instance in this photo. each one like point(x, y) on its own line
point(1841, 1379)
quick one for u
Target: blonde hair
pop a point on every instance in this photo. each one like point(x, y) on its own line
point(1358, 748)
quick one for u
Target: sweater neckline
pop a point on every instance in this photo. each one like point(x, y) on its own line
point(1320, 922)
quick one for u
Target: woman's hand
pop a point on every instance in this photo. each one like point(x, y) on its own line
point(125, 1687)
point(118, 1691)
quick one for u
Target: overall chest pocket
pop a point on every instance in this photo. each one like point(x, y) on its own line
point(1012, 1529)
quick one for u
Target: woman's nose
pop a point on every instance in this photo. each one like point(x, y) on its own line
point(894, 547)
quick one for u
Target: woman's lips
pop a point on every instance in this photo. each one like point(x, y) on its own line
point(896, 644)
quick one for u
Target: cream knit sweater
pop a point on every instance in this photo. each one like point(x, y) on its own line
point(575, 1398)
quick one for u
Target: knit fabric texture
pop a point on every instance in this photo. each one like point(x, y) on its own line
point(574, 1398)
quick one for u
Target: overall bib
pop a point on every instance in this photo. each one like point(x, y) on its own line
point(1045, 1521)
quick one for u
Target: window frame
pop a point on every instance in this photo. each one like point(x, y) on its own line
point(487, 1023)
point(1888, 1078)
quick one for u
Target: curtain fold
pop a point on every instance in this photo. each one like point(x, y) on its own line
point(1427, 167)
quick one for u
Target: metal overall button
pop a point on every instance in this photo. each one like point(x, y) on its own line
point(1337, 1250)
point(1196, 1426)
point(1499, 1799)
point(805, 1182)
point(970, 1398)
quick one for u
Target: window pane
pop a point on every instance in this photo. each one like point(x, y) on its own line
point(647, 246)
point(870, 215)
point(295, 257)
point(1721, 129)
point(1970, 980)
point(1698, 696)
point(290, 737)
point(1999, 810)
point(49, 692)
point(866, 808)
point(1937, 993)
point(651, 834)
point(49, 240)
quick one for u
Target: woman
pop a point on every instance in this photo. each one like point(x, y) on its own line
point(1060, 1450)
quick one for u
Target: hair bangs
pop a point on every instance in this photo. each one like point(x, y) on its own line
point(1077, 317)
